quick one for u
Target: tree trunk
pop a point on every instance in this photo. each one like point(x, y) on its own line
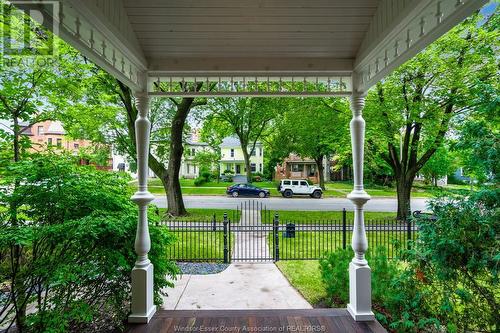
point(246, 157)
point(169, 177)
point(174, 192)
point(18, 288)
point(404, 185)
point(319, 165)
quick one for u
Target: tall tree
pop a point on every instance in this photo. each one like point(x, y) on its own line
point(315, 128)
point(409, 114)
point(248, 119)
point(169, 137)
point(183, 106)
point(117, 127)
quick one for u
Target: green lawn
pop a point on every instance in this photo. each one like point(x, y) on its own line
point(197, 246)
point(315, 244)
point(305, 276)
point(204, 215)
point(319, 216)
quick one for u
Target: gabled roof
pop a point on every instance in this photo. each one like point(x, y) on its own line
point(233, 142)
point(196, 143)
point(55, 127)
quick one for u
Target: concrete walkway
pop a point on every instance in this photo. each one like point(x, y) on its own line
point(250, 244)
point(240, 286)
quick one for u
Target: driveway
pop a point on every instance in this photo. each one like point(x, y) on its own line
point(240, 286)
point(325, 204)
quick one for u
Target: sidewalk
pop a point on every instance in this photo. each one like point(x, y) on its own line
point(240, 286)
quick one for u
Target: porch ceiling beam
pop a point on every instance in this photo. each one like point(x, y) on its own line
point(250, 94)
point(401, 29)
point(246, 64)
point(232, 84)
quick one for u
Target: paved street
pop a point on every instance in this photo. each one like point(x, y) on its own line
point(326, 204)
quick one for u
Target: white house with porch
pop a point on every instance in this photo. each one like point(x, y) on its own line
point(250, 48)
point(232, 158)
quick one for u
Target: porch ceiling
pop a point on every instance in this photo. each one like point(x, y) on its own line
point(212, 38)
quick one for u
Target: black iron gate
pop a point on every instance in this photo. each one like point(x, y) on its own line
point(252, 236)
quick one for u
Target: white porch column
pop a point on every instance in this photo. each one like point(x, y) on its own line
point(142, 307)
point(360, 299)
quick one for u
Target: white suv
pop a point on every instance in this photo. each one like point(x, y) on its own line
point(291, 187)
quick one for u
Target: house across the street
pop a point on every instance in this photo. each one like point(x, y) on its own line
point(50, 134)
point(232, 157)
point(189, 166)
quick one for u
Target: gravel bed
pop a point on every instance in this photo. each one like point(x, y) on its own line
point(201, 268)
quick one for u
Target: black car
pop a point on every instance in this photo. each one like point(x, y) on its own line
point(247, 190)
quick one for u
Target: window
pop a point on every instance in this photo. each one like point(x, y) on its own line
point(232, 152)
point(286, 182)
point(260, 167)
point(253, 167)
point(295, 182)
point(49, 141)
point(59, 143)
point(76, 145)
point(39, 130)
point(303, 183)
point(260, 151)
point(187, 168)
point(297, 167)
point(312, 170)
point(253, 152)
point(193, 151)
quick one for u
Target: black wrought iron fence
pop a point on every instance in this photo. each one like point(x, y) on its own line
point(312, 240)
point(256, 237)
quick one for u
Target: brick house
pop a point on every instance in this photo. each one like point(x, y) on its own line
point(51, 133)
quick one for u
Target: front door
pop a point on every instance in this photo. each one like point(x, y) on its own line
point(238, 169)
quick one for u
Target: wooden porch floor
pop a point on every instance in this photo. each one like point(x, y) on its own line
point(311, 320)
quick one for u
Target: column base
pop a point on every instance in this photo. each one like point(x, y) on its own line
point(142, 318)
point(368, 316)
point(143, 307)
point(360, 293)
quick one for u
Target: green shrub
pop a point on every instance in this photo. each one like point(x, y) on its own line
point(256, 178)
point(206, 175)
point(335, 274)
point(458, 256)
point(448, 280)
point(199, 181)
point(67, 242)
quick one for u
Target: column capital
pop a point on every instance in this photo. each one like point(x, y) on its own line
point(142, 102)
point(357, 103)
